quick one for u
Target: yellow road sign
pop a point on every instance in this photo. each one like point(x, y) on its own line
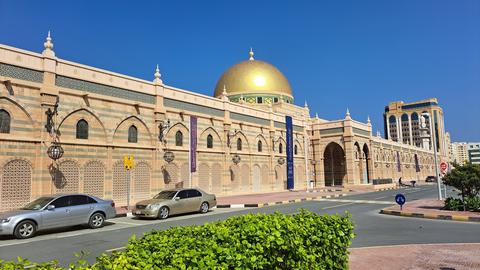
point(128, 162)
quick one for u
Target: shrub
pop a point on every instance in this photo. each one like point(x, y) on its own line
point(26, 264)
point(466, 179)
point(262, 241)
point(453, 204)
point(472, 203)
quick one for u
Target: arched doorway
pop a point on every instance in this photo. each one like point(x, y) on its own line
point(334, 164)
point(366, 158)
point(256, 178)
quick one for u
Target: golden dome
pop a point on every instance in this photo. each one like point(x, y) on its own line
point(253, 77)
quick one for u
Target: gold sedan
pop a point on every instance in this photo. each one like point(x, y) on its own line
point(175, 201)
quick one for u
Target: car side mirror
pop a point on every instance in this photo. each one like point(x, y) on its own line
point(50, 207)
point(177, 198)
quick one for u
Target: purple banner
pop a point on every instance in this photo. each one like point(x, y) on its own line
point(417, 166)
point(193, 144)
point(399, 166)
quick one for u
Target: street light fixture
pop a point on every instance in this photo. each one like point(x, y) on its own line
point(168, 156)
point(163, 128)
point(55, 150)
point(236, 159)
point(434, 145)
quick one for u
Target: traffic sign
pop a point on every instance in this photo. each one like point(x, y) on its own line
point(443, 167)
point(400, 199)
point(128, 162)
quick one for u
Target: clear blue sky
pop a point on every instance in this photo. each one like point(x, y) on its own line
point(337, 54)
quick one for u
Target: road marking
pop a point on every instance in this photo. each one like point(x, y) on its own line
point(356, 201)
point(380, 197)
point(338, 205)
point(114, 249)
point(127, 223)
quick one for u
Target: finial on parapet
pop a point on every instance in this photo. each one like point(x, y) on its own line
point(224, 93)
point(157, 75)
point(368, 120)
point(251, 54)
point(316, 115)
point(306, 105)
point(378, 133)
point(48, 45)
point(347, 115)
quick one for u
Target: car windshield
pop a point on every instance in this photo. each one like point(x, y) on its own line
point(167, 194)
point(38, 203)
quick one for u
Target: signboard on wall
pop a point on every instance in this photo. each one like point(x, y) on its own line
point(289, 138)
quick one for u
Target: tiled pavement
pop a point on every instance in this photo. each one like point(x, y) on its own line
point(428, 256)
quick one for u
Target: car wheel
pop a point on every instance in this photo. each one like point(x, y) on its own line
point(25, 229)
point(163, 212)
point(96, 221)
point(204, 207)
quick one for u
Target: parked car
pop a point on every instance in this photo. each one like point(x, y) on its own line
point(175, 201)
point(431, 178)
point(56, 211)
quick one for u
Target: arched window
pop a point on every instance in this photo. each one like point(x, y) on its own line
point(239, 144)
point(4, 121)
point(259, 146)
point(132, 134)
point(295, 150)
point(280, 148)
point(82, 129)
point(179, 138)
point(209, 141)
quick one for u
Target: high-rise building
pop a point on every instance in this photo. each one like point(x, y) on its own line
point(474, 153)
point(448, 143)
point(402, 122)
point(460, 153)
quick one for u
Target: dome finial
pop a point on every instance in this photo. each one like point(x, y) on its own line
point(306, 104)
point(48, 45)
point(157, 76)
point(251, 54)
point(368, 120)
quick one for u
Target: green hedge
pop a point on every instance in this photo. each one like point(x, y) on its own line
point(262, 241)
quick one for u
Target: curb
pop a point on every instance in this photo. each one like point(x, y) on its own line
point(256, 205)
point(383, 189)
point(430, 216)
point(326, 190)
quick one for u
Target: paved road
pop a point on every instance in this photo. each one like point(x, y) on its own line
point(371, 228)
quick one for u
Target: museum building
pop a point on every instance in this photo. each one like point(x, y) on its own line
point(66, 127)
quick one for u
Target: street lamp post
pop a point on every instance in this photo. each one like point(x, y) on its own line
point(434, 145)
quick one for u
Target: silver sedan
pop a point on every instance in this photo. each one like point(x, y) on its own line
point(175, 201)
point(56, 211)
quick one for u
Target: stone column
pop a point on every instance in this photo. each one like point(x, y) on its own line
point(410, 128)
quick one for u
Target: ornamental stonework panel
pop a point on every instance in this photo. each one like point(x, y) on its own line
point(16, 185)
point(204, 177)
point(170, 175)
point(67, 177)
point(93, 179)
point(217, 178)
point(142, 181)
point(119, 184)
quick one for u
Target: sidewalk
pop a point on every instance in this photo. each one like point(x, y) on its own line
point(430, 209)
point(428, 256)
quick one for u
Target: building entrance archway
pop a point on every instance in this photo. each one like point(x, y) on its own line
point(334, 164)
